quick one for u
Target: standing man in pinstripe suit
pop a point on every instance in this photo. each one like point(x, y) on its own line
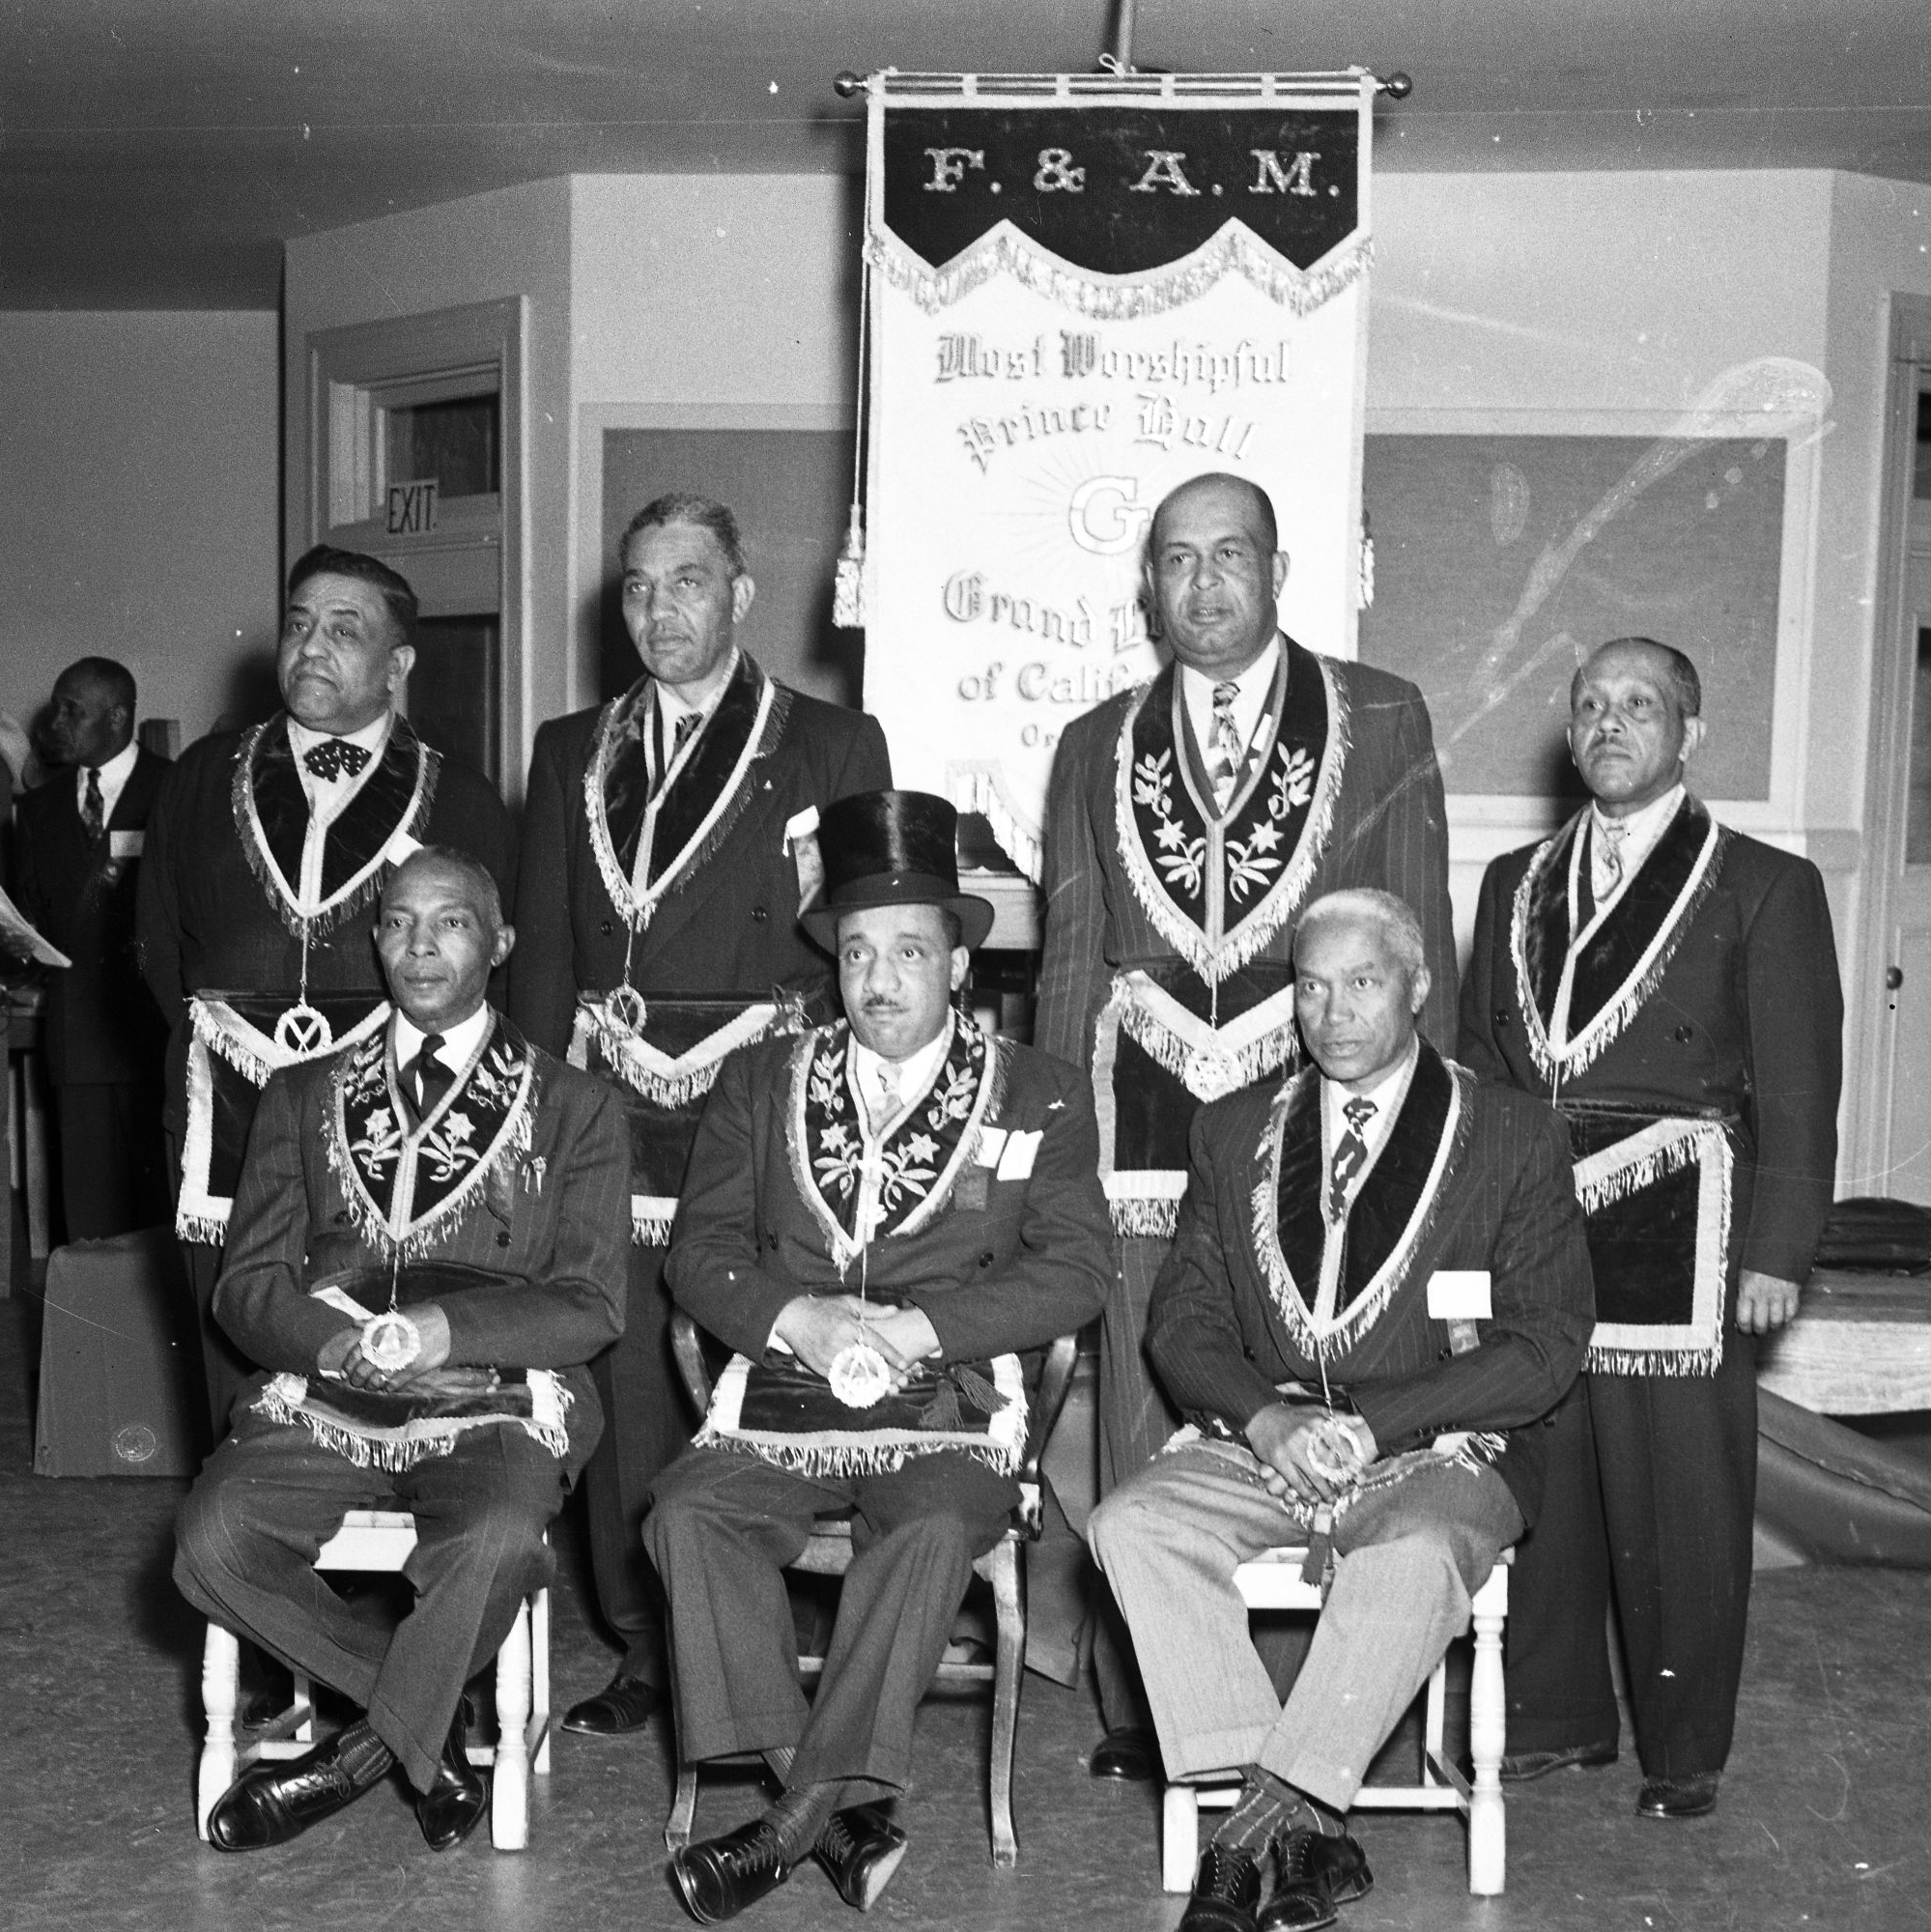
point(1379, 1279)
point(1189, 822)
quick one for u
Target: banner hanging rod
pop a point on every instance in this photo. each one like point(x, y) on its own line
point(1152, 86)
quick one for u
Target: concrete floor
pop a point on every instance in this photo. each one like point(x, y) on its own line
point(1823, 1820)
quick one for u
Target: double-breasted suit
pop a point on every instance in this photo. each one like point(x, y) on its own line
point(104, 1037)
point(999, 1234)
point(250, 906)
point(679, 879)
point(1700, 1019)
point(1264, 1296)
point(542, 1216)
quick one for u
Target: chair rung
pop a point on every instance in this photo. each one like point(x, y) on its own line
point(1408, 1798)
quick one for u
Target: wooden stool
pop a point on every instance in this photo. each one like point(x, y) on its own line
point(828, 1552)
point(1273, 1581)
point(381, 1541)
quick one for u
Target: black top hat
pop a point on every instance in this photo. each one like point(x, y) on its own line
point(883, 848)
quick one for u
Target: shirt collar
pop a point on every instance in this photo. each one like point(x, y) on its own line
point(916, 1072)
point(674, 707)
point(370, 737)
point(1387, 1092)
point(1642, 827)
point(1252, 684)
point(117, 768)
point(459, 1041)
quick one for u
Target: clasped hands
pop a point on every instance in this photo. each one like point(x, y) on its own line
point(428, 1374)
point(1281, 1436)
point(818, 1328)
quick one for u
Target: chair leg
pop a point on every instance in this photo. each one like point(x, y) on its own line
point(509, 1792)
point(220, 1686)
point(1009, 1604)
point(683, 1808)
point(1487, 1734)
point(1180, 1837)
point(539, 1678)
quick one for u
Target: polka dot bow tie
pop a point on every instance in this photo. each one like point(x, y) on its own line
point(333, 756)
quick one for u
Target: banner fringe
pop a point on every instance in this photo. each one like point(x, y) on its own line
point(1234, 250)
point(651, 1231)
point(1140, 1216)
point(979, 791)
point(804, 1457)
point(1655, 1362)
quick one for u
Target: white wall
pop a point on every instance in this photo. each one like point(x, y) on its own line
point(511, 243)
point(139, 480)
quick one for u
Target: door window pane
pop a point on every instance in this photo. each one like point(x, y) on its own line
point(1920, 474)
point(452, 689)
point(455, 441)
point(1917, 819)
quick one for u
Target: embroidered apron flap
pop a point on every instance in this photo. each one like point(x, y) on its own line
point(665, 1069)
point(1157, 1060)
point(232, 1050)
point(784, 1414)
point(1655, 1190)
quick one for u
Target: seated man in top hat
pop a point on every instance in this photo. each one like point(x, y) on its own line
point(427, 1247)
point(881, 1216)
point(1379, 1279)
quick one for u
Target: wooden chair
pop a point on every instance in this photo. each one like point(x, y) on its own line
point(1273, 1581)
point(381, 1541)
point(829, 1553)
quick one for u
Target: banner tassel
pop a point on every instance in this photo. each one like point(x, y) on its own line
point(848, 583)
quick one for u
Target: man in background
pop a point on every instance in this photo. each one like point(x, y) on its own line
point(79, 842)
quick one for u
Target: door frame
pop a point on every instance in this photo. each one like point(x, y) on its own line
point(1873, 1057)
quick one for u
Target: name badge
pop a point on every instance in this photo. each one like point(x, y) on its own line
point(126, 845)
point(1016, 1162)
point(801, 840)
point(1459, 1294)
point(991, 1146)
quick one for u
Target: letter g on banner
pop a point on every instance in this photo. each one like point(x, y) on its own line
point(1105, 516)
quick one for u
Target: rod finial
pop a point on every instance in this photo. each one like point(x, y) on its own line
point(1396, 86)
point(849, 83)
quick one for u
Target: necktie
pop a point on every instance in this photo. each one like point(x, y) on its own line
point(883, 1100)
point(685, 724)
point(1350, 1151)
point(92, 807)
point(427, 1078)
point(1610, 834)
point(331, 757)
point(1224, 746)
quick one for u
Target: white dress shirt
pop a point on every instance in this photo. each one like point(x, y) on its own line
point(328, 798)
point(1252, 689)
point(459, 1041)
point(670, 709)
point(1641, 830)
point(914, 1075)
point(1387, 1094)
point(114, 776)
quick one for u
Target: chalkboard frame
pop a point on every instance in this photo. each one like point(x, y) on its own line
point(1488, 823)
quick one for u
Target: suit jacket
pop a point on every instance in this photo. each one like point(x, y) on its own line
point(1230, 1319)
point(1389, 830)
point(101, 1022)
point(730, 927)
point(563, 1236)
point(207, 923)
point(1746, 1019)
point(1026, 1260)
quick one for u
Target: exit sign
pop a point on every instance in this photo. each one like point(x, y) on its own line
point(413, 508)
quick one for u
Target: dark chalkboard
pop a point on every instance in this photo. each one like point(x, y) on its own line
point(1499, 561)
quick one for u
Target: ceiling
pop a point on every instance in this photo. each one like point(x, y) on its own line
point(158, 152)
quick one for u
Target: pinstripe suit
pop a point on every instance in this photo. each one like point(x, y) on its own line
point(1389, 831)
point(270, 1497)
point(1231, 1323)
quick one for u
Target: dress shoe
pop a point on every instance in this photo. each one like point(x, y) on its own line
point(720, 1877)
point(1318, 1875)
point(457, 1797)
point(1128, 1755)
point(274, 1801)
point(1678, 1797)
point(860, 1849)
point(1225, 1892)
point(1520, 1767)
point(624, 1704)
